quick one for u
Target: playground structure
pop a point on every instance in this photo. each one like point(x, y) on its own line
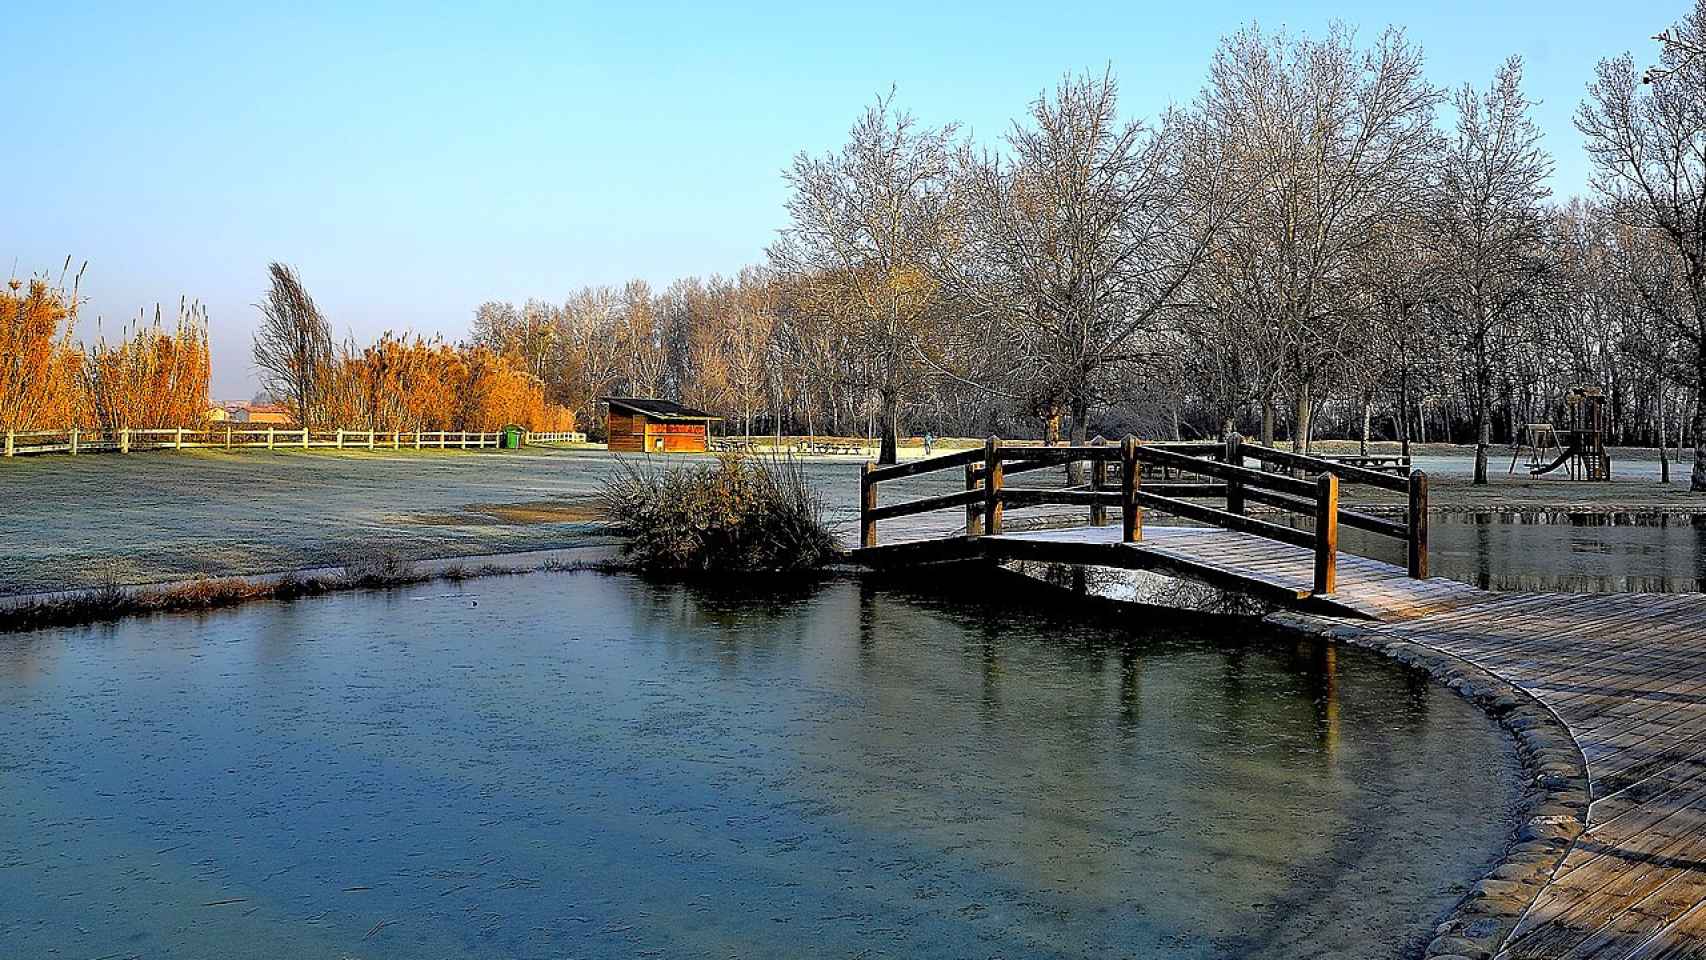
point(1584, 455)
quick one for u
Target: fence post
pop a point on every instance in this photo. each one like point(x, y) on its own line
point(1326, 534)
point(464, 439)
point(180, 444)
point(124, 440)
point(74, 441)
point(228, 436)
point(1131, 481)
point(867, 503)
point(1098, 480)
point(974, 511)
point(269, 436)
point(1234, 455)
point(11, 443)
point(993, 479)
point(417, 439)
point(370, 439)
point(340, 438)
point(1418, 525)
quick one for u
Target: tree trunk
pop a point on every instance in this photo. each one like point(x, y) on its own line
point(1268, 420)
point(1403, 417)
point(1305, 408)
point(1367, 413)
point(1697, 482)
point(1664, 458)
point(890, 452)
point(1080, 434)
point(1483, 435)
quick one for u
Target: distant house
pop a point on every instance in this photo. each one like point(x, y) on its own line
point(260, 413)
point(218, 414)
point(641, 425)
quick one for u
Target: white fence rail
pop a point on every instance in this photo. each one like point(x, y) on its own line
point(540, 439)
point(231, 437)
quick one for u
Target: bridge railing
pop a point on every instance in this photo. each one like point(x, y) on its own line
point(1184, 475)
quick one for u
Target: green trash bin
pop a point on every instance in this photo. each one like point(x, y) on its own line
point(512, 438)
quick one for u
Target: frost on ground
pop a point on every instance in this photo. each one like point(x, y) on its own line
point(74, 522)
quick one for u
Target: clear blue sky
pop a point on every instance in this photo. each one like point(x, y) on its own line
point(415, 163)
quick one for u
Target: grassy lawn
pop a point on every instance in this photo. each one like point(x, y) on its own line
point(149, 518)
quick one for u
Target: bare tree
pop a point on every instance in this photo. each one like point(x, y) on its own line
point(1333, 141)
point(865, 219)
point(1084, 238)
point(1648, 146)
point(1490, 227)
point(293, 346)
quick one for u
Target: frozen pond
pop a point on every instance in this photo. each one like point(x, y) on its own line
point(595, 766)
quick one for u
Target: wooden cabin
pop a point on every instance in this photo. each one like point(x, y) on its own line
point(641, 425)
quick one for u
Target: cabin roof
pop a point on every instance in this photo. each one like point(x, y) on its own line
point(659, 409)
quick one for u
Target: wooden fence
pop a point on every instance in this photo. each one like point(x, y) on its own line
point(1191, 472)
point(232, 437)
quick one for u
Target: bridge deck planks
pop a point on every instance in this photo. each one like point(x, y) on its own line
point(1625, 673)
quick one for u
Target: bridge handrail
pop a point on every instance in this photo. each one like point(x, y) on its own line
point(1347, 472)
point(986, 494)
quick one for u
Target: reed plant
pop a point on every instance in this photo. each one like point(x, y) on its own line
point(738, 514)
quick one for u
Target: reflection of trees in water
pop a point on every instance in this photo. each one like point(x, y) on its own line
point(1572, 551)
point(1034, 744)
point(1062, 765)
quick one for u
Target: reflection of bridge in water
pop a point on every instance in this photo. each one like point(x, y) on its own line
point(1625, 674)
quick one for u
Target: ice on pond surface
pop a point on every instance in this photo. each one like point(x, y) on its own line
point(592, 765)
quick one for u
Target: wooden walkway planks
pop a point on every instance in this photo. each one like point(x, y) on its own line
point(1275, 571)
point(1625, 674)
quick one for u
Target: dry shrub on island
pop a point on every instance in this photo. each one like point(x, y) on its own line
point(738, 514)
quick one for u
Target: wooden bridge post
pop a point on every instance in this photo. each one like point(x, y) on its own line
point(1131, 481)
point(1418, 546)
point(1234, 455)
point(1326, 534)
point(993, 477)
point(867, 503)
point(974, 511)
point(1098, 481)
point(124, 440)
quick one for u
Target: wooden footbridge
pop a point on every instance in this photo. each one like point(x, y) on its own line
point(1625, 675)
point(1210, 486)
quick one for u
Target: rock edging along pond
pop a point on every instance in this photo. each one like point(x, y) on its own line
point(1558, 803)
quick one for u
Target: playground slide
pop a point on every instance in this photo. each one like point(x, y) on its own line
point(1563, 458)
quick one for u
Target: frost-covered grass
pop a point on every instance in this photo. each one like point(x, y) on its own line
point(157, 517)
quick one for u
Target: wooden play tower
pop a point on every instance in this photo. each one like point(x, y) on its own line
point(1584, 454)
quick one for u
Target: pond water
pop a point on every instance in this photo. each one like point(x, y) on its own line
point(596, 766)
point(1557, 550)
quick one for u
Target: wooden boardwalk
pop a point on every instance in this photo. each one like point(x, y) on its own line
point(1625, 674)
